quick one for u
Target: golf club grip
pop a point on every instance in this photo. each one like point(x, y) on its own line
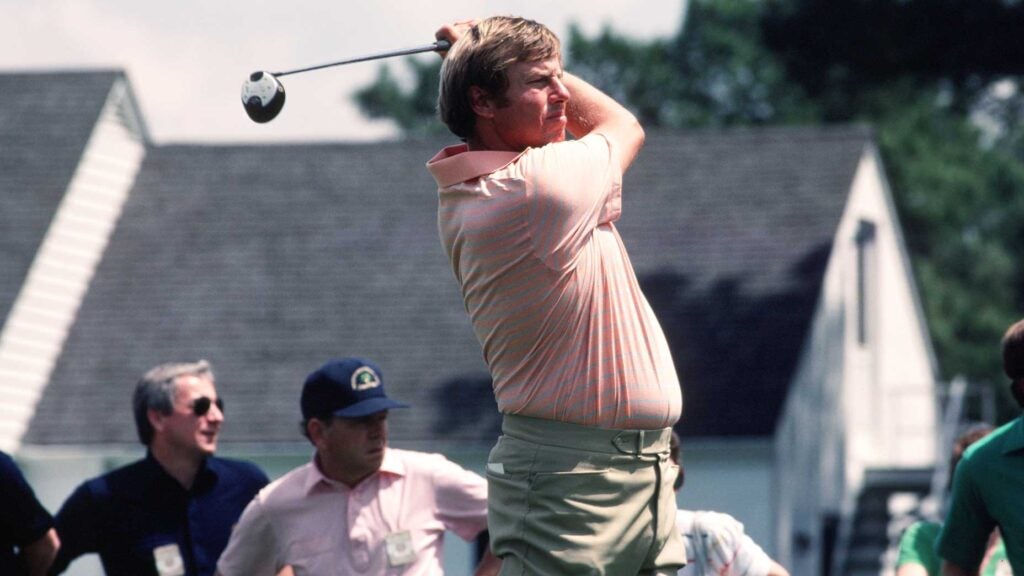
point(439, 46)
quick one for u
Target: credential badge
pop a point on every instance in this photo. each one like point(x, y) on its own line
point(168, 560)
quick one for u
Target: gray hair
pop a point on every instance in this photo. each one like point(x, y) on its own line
point(157, 388)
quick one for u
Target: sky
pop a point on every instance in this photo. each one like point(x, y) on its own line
point(187, 59)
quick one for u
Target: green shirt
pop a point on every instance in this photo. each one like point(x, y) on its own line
point(988, 491)
point(917, 546)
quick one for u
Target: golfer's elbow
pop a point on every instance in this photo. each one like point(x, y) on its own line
point(631, 141)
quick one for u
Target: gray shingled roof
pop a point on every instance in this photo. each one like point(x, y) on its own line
point(267, 260)
point(45, 122)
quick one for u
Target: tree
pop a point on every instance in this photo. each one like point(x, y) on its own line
point(840, 47)
point(715, 72)
point(413, 108)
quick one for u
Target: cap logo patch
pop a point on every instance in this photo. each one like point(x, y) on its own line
point(364, 378)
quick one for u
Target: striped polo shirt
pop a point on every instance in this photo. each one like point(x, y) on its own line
point(565, 330)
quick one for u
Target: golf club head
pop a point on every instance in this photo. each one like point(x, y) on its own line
point(262, 96)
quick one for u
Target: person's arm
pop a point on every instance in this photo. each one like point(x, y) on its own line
point(252, 547)
point(965, 533)
point(77, 523)
point(39, 554)
point(24, 519)
point(591, 110)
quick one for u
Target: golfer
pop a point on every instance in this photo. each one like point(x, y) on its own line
point(580, 482)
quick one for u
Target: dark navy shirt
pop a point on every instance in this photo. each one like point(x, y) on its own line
point(23, 519)
point(129, 513)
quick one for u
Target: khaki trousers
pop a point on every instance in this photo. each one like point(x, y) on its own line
point(566, 499)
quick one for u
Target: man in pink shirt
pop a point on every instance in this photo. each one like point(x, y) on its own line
point(580, 481)
point(359, 507)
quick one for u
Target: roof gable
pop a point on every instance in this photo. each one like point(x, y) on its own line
point(45, 123)
point(268, 260)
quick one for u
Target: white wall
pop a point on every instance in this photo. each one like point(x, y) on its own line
point(890, 392)
point(853, 405)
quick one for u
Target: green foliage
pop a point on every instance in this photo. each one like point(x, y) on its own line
point(837, 47)
point(413, 109)
point(715, 73)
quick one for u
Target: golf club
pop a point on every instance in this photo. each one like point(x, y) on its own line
point(263, 93)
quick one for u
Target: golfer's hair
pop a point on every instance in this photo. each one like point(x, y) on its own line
point(1013, 351)
point(156, 390)
point(482, 58)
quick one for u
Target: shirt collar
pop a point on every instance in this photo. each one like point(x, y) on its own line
point(455, 164)
point(1013, 441)
point(390, 465)
point(205, 478)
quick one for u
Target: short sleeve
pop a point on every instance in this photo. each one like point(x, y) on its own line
point(24, 520)
point(251, 550)
point(572, 188)
point(727, 548)
point(78, 526)
point(461, 497)
point(917, 546)
point(968, 524)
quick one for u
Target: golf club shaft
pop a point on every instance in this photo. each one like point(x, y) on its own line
point(435, 47)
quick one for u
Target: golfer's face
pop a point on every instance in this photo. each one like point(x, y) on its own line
point(356, 445)
point(534, 112)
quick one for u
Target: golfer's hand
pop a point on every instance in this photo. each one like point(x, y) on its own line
point(452, 32)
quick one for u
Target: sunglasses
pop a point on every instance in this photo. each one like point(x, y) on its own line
point(201, 405)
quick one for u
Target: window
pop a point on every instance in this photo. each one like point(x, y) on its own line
point(865, 239)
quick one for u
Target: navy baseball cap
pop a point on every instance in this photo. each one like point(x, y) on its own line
point(346, 388)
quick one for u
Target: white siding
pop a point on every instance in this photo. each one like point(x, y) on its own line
point(855, 404)
point(889, 391)
point(48, 301)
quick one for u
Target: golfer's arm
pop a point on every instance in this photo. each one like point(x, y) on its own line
point(591, 110)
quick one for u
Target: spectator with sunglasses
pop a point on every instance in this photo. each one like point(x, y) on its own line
point(170, 513)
